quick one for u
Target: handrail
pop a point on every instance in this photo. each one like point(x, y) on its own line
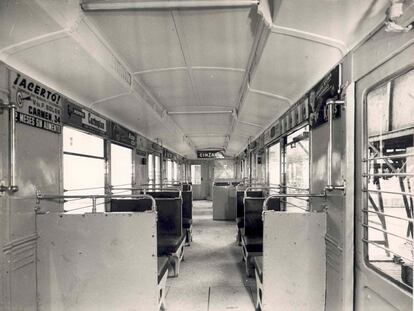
point(49, 197)
point(145, 190)
point(11, 187)
point(329, 183)
point(291, 195)
point(259, 188)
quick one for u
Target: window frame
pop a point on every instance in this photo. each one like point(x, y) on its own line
point(364, 171)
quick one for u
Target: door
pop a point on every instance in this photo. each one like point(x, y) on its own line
point(384, 184)
point(201, 179)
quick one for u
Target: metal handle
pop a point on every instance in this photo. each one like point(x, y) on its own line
point(40, 197)
point(291, 195)
point(12, 187)
point(329, 184)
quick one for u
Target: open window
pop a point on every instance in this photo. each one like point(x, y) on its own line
point(388, 178)
point(273, 165)
point(121, 168)
point(83, 169)
point(196, 174)
point(296, 167)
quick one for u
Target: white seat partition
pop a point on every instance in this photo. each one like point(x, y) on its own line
point(294, 263)
point(100, 261)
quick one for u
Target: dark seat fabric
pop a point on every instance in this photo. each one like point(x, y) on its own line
point(258, 265)
point(187, 223)
point(274, 204)
point(222, 184)
point(240, 197)
point(187, 204)
point(186, 187)
point(168, 244)
point(253, 224)
point(130, 205)
point(169, 217)
point(240, 222)
point(253, 244)
point(162, 267)
point(163, 194)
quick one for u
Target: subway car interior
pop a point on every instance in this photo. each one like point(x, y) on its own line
point(206, 155)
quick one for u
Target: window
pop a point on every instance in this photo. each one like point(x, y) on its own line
point(389, 177)
point(175, 171)
point(157, 162)
point(297, 167)
point(196, 174)
point(169, 170)
point(83, 169)
point(274, 165)
point(223, 169)
point(121, 168)
point(151, 169)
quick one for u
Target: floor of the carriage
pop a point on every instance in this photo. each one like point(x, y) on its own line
point(212, 276)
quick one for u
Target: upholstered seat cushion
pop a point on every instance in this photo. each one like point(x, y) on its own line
point(253, 244)
point(169, 244)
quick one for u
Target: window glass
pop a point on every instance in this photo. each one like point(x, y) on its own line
point(157, 162)
point(389, 177)
point(274, 165)
point(121, 168)
point(297, 168)
point(175, 171)
point(169, 170)
point(75, 141)
point(150, 169)
point(83, 174)
point(223, 169)
point(196, 174)
point(403, 101)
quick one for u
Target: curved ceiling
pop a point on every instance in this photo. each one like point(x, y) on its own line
point(193, 78)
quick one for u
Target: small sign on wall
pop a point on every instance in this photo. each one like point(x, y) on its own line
point(36, 105)
point(207, 154)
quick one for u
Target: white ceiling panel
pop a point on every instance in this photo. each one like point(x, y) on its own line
point(218, 87)
point(205, 123)
point(235, 146)
point(70, 68)
point(21, 21)
point(218, 38)
point(133, 113)
point(208, 142)
point(244, 131)
point(289, 66)
point(144, 39)
point(171, 88)
point(343, 20)
point(260, 109)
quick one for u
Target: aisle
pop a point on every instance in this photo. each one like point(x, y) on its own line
point(212, 276)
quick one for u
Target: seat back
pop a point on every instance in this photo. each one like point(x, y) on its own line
point(187, 204)
point(130, 205)
point(253, 225)
point(239, 200)
point(169, 216)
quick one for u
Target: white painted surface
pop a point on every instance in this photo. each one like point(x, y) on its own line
point(97, 261)
point(294, 264)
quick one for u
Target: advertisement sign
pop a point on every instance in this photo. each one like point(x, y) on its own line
point(123, 135)
point(37, 105)
point(82, 118)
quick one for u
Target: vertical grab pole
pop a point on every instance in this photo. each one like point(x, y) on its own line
point(329, 184)
point(12, 146)
point(329, 156)
point(5, 104)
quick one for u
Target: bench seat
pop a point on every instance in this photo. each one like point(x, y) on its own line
point(169, 244)
point(253, 244)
